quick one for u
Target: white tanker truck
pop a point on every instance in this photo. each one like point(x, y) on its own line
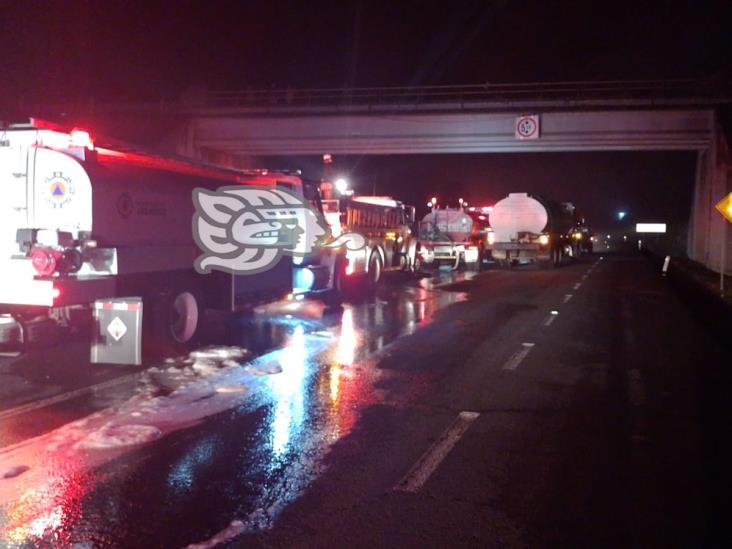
point(530, 228)
point(80, 223)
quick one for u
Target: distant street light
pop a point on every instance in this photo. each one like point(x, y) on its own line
point(621, 215)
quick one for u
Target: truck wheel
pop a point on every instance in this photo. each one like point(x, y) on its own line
point(417, 264)
point(405, 265)
point(342, 284)
point(556, 256)
point(375, 266)
point(178, 317)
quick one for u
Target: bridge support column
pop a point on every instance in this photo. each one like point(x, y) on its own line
point(707, 226)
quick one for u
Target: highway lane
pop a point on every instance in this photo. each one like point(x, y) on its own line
point(493, 411)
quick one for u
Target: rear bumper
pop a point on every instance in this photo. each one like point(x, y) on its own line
point(441, 252)
point(44, 293)
point(523, 246)
point(28, 292)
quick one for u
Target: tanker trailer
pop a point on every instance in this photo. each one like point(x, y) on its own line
point(445, 239)
point(531, 228)
point(81, 223)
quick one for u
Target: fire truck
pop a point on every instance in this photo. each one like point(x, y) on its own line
point(384, 222)
point(82, 222)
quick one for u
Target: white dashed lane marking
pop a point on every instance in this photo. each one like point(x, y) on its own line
point(516, 359)
point(549, 320)
point(431, 459)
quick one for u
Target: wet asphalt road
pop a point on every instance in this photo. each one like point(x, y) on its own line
point(586, 427)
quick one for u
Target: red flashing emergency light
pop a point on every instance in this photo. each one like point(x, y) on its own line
point(81, 138)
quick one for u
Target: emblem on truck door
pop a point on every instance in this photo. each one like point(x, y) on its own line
point(59, 189)
point(246, 229)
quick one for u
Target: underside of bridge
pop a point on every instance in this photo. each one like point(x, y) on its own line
point(238, 139)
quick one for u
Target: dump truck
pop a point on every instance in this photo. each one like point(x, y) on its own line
point(385, 224)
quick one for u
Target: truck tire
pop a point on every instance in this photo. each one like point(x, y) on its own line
point(342, 283)
point(178, 318)
point(557, 255)
point(374, 272)
point(417, 264)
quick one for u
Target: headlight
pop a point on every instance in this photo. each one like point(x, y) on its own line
point(544, 239)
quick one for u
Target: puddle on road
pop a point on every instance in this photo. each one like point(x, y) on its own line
point(312, 390)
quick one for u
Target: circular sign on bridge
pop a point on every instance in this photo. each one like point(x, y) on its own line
point(527, 127)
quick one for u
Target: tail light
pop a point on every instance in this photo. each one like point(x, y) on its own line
point(491, 238)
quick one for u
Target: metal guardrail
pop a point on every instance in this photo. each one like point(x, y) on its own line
point(477, 93)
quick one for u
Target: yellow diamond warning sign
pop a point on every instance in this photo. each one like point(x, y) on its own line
point(725, 207)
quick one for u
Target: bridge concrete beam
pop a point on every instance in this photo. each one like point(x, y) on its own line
point(454, 133)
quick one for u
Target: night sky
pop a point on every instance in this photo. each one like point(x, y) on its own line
point(148, 49)
point(133, 51)
point(649, 186)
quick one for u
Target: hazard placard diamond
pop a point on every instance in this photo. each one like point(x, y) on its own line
point(117, 328)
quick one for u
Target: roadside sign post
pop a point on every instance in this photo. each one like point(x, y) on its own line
point(724, 207)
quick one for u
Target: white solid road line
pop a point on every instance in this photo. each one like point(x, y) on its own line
point(567, 297)
point(513, 362)
point(50, 401)
point(431, 459)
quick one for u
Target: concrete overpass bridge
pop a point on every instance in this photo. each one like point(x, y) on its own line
point(235, 128)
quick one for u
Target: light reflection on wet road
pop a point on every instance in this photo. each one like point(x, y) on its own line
point(256, 452)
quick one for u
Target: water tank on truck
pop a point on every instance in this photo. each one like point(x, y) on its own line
point(445, 238)
point(530, 228)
